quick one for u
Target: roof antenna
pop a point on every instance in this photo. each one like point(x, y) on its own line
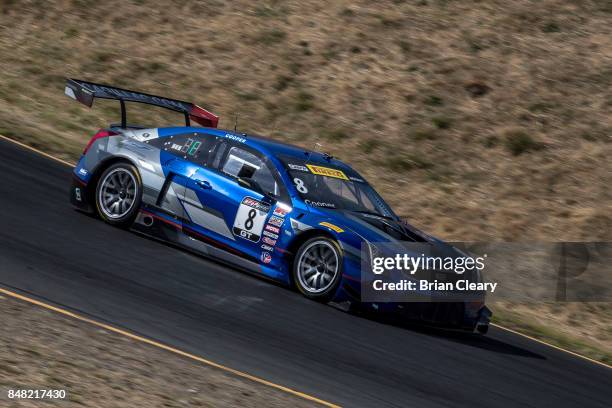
point(235, 122)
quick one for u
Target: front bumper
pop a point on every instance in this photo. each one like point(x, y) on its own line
point(460, 316)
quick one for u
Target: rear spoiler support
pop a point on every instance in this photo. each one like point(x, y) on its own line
point(85, 93)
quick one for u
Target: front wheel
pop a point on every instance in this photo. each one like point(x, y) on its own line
point(118, 194)
point(318, 268)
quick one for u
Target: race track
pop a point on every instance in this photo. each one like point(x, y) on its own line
point(53, 253)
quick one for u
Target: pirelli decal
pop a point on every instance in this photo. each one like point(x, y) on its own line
point(326, 171)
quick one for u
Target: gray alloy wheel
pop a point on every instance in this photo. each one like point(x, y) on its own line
point(318, 267)
point(118, 194)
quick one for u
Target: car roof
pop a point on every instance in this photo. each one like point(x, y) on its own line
point(266, 144)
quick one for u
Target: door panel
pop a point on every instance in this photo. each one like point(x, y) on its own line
point(221, 208)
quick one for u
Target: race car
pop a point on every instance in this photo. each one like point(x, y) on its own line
point(299, 217)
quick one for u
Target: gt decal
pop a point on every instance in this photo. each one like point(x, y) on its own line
point(326, 171)
point(250, 219)
point(276, 221)
point(331, 226)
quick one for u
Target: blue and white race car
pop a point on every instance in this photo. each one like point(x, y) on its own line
point(296, 216)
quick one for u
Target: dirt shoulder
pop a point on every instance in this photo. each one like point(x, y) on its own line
point(583, 328)
point(43, 349)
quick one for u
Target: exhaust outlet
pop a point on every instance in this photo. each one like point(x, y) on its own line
point(147, 220)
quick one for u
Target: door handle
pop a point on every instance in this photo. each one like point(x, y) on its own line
point(203, 184)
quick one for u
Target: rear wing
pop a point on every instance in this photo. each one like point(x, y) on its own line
point(85, 92)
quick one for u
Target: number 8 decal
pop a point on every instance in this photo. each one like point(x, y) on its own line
point(250, 219)
point(299, 184)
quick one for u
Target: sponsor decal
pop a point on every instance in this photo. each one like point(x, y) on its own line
point(331, 226)
point(251, 202)
point(250, 219)
point(326, 171)
point(83, 172)
point(235, 138)
point(269, 241)
point(267, 247)
point(77, 194)
point(272, 228)
point(270, 234)
point(276, 221)
point(298, 167)
point(266, 257)
point(281, 212)
point(357, 179)
point(320, 204)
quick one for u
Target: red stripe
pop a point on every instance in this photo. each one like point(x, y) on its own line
point(198, 235)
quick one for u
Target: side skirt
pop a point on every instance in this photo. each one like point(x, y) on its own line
point(157, 226)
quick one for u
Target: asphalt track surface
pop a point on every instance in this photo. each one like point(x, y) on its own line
point(51, 252)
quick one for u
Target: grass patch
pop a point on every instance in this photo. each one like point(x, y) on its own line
point(551, 27)
point(519, 142)
point(406, 162)
point(424, 134)
point(390, 22)
point(271, 37)
point(282, 82)
point(433, 100)
point(368, 145)
point(490, 142)
point(248, 96)
point(71, 32)
point(442, 122)
point(334, 135)
point(539, 107)
point(304, 101)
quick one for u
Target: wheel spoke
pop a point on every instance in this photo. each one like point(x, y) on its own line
point(117, 193)
point(318, 266)
point(313, 279)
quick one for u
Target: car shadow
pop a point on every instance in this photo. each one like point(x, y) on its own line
point(464, 338)
point(461, 337)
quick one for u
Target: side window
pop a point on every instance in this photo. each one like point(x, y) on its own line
point(247, 166)
point(194, 147)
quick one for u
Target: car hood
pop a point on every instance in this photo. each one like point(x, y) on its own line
point(375, 228)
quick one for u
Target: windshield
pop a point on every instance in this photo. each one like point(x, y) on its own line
point(335, 189)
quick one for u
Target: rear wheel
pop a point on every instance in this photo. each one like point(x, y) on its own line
point(318, 268)
point(118, 194)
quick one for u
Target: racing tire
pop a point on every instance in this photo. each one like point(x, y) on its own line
point(119, 194)
point(317, 269)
